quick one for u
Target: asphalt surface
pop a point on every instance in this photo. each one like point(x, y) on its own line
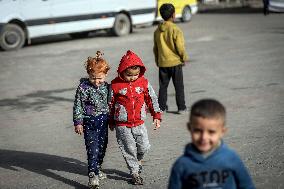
point(236, 57)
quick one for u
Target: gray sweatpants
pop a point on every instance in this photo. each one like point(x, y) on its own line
point(133, 143)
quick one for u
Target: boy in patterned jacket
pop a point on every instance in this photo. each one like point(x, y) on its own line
point(131, 96)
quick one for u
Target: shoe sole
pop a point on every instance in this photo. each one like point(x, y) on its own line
point(94, 187)
point(102, 178)
point(138, 183)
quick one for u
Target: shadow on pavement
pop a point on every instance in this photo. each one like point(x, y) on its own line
point(117, 175)
point(42, 164)
point(277, 30)
point(36, 101)
point(172, 112)
point(66, 37)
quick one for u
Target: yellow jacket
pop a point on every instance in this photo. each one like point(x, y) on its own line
point(169, 48)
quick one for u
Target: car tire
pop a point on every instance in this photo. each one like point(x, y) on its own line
point(122, 25)
point(79, 35)
point(186, 14)
point(12, 37)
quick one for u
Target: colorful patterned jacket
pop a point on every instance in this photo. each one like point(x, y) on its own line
point(90, 100)
point(130, 100)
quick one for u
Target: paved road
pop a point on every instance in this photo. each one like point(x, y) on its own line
point(236, 58)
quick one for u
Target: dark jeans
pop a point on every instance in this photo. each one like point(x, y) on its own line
point(165, 75)
point(96, 139)
point(265, 7)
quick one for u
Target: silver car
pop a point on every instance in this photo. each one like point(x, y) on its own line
point(276, 6)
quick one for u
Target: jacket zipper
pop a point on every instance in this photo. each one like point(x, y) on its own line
point(132, 104)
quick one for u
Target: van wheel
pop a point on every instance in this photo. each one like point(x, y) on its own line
point(122, 25)
point(12, 37)
point(186, 14)
point(79, 35)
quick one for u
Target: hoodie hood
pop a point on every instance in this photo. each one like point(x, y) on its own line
point(128, 60)
point(164, 26)
point(191, 151)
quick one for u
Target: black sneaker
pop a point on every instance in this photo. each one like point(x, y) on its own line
point(136, 179)
point(165, 110)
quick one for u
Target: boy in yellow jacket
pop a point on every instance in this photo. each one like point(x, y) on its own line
point(170, 56)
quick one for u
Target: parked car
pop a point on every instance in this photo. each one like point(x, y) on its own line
point(276, 5)
point(22, 20)
point(184, 9)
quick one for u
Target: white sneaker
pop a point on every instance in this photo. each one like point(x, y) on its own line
point(93, 181)
point(184, 112)
point(137, 179)
point(102, 175)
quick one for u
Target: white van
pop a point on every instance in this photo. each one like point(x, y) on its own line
point(276, 6)
point(22, 20)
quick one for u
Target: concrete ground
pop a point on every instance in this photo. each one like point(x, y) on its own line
point(236, 58)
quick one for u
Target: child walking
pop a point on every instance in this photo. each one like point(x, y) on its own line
point(90, 115)
point(208, 162)
point(131, 93)
point(170, 56)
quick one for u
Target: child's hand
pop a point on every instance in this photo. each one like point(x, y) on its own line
point(79, 129)
point(157, 124)
point(185, 63)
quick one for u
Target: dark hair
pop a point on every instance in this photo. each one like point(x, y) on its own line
point(167, 10)
point(133, 70)
point(208, 108)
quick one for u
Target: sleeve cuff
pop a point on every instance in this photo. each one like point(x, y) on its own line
point(78, 122)
point(157, 116)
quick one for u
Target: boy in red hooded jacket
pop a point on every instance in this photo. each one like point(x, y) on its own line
point(131, 95)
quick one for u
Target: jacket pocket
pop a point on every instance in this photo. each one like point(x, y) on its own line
point(143, 112)
point(120, 113)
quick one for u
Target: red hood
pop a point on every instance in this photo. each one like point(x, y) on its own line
point(128, 60)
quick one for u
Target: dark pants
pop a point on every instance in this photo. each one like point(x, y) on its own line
point(96, 138)
point(265, 7)
point(165, 75)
